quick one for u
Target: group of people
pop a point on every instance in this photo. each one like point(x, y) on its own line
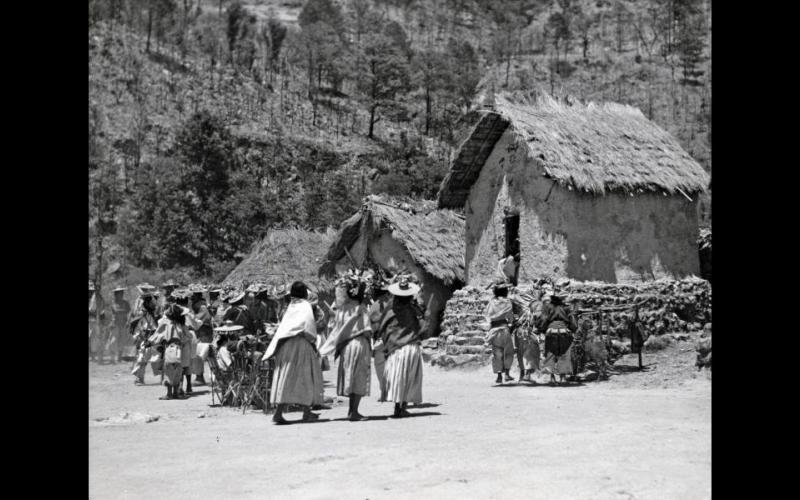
point(175, 319)
point(372, 321)
point(549, 317)
point(176, 329)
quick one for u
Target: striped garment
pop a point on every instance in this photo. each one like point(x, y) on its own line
point(354, 368)
point(404, 374)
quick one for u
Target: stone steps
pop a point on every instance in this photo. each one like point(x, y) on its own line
point(465, 340)
point(467, 349)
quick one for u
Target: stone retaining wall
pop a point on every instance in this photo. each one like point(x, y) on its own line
point(665, 306)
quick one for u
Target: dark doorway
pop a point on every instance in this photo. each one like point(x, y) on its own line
point(511, 224)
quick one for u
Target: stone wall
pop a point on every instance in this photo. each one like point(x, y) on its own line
point(665, 306)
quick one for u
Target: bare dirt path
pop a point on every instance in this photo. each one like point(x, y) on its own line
point(639, 435)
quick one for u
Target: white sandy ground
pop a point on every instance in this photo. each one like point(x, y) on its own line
point(637, 436)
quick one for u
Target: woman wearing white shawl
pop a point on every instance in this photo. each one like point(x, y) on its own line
point(350, 341)
point(298, 376)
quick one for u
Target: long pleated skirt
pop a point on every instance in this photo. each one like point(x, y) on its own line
point(558, 352)
point(298, 376)
point(530, 354)
point(354, 368)
point(404, 375)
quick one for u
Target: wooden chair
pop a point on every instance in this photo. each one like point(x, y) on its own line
point(220, 381)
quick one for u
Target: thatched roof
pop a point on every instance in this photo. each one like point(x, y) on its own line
point(434, 238)
point(285, 255)
point(589, 147)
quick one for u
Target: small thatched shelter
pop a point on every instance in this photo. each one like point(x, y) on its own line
point(398, 235)
point(283, 256)
point(591, 192)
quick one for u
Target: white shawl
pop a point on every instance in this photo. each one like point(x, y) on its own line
point(298, 318)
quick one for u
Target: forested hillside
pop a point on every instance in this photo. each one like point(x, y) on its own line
point(212, 121)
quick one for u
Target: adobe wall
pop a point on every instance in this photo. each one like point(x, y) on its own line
point(389, 254)
point(612, 238)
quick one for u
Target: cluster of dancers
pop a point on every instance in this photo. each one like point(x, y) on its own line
point(371, 321)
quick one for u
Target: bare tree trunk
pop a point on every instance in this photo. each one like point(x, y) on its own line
point(149, 28)
point(371, 120)
point(427, 110)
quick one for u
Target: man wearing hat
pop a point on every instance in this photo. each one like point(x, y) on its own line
point(401, 331)
point(167, 288)
point(120, 338)
point(259, 309)
point(204, 332)
point(95, 328)
point(215, 304)
point(143, 324)
point(239, 314)
point(500, 314)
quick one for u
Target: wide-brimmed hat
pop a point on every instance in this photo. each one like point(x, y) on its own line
point(217, 291)
point(229, 328)
point(170, 283)
point(235, 296)
point(120, 289)
point(403, 287)
point(146, 289)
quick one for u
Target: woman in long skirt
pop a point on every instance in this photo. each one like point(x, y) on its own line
point(350, 340)
point(297, 378)
point(400, 329)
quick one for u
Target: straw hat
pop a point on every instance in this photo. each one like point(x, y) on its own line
point(146, 289)
point(228, 328)
point(235, 296)
point(170, 283)
point(120, 289)
point(403, 287)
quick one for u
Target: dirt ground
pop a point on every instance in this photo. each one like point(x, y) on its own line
point(639, 435)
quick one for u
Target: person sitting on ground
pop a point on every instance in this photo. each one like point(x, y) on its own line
point(500, 315)
point(297, 377)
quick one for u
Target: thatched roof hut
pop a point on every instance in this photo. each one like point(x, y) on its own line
point(585, 191)
point(285, 255)
point(588, 147)
point(403, 234)
point(434, 238)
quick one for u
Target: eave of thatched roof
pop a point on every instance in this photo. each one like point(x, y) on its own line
point(285, 255)
point(592, 147)
point(434, 238)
